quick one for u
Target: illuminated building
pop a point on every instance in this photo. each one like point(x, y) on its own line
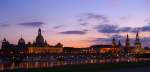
point(138, 48)
point(120, 47)
point(71, 50)
point(40, 46)
point(137, 41)
point(39, 40)
point(113, 49)
point(103, 48)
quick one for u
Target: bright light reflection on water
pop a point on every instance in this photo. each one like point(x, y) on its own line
point(49, 63)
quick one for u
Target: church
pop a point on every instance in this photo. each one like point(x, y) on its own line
point(38, 46)
point(138, 46)
point(41, 46)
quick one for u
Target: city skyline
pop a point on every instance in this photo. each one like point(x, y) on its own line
point(41, 41)
point(87, 22)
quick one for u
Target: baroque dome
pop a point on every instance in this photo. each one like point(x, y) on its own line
point(39, 39)
point(21, 41)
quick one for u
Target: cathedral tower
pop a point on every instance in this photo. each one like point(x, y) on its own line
point(39, 39)
point(21, 44)
point(127, 44)
point(5, 44)
point(137, 41)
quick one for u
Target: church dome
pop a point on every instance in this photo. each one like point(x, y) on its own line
point(39, 39)
point(59, 45)
point(21, 41)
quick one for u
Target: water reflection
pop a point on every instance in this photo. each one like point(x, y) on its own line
point(52, 63)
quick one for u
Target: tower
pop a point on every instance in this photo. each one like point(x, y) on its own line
point(137, 41)
point(21, 44)
point(5, 44)
point(39, 31)
point(39, 39)
point(114, 45)
point(127, 44)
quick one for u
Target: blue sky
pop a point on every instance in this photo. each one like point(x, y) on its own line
point(78, 21)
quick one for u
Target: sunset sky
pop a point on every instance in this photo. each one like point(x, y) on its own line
point(77, 23)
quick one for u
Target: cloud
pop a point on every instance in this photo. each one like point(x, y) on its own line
point(146, 28)
point(125, 29)
point(84, 24)
point(95, 16)
point(125, 17)
point(32, 24)
point(59, 26)
point(4, 25)
point(90, 18)
point(74, 32)
point(106, 28)
point(144, 41)
point(116, 36)
point(107, 40)
point(99, 40)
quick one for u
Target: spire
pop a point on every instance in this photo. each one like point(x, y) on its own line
point(39, 31)
point(127, 37)
point(119, 43)
point(127, 41)
point(137, 37)
point(137, 41)
point(39, 39)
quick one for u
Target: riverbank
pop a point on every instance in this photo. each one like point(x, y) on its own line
point(109, 67)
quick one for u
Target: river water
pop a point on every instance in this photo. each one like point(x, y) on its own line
point(45, 63)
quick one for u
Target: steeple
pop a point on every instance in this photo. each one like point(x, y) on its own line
point(127, 37)
point(39, 31)
point(127, 44)
point(137, 41)
point(137, 37)
point(127, 41)
point(39, 39)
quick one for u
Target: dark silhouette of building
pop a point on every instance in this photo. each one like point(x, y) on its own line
point(137, 41)
point(59, 45)
point(41, 46)
point(39, 40)
point(5, 44)
point(114, 43)
point(119, 44)
point(21, 45)
point(127, 45)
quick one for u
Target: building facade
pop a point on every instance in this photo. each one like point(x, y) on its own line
point(40, 46)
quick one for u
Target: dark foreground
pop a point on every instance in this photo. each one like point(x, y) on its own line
point(109, 67)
